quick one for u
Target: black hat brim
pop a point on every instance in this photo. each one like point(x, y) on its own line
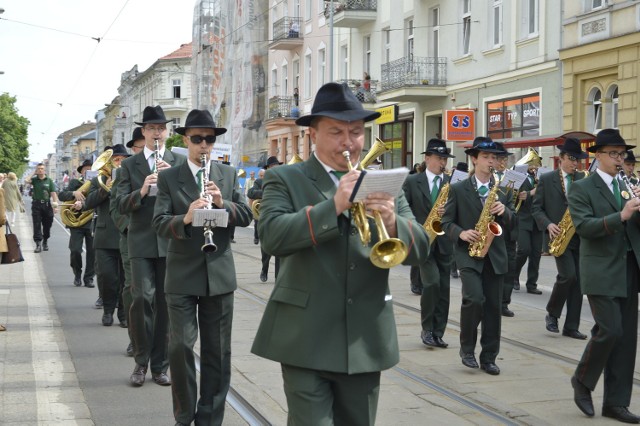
point(218, 130)
point(365, 115)
point(156, 121)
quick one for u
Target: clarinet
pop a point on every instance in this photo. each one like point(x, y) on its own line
point(627, 182)
point(209, 246)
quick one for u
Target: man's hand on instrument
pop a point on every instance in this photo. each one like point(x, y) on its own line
point(149, 180)
point(200, 203)
point(554, 230)
point(470, 236)
point(629, 209)
point(384, 203)
point(216, 195)
point(161, 164)
point(441, 211)
point(77, 205)
point(344, 191)
point(497, 209)
point(79, 196)
point(522, 195)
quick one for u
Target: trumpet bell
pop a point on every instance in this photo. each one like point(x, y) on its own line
point(295, 159)
point(209, 246)
point(388, 253)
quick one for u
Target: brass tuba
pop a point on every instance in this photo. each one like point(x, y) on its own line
point(104, 166)
point(255, 209)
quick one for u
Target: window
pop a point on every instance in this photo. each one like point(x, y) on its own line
point(366, 44)
point(175, 123)
point(322, 66)
point(284, 89)
point(596, 4)
point(274, 81)
point(296, 8)
point(409, 31)
point(529, 21)
point(296, 76)
point(613, 116)
point(307, 74)
point(594, 110)
point(514, 117)
point(176, 89)
point(285, 8)
point(435, 27)
point(496, 18)
point(387, 45)
point(466, 26)
point(344, 62)
point(307, 9)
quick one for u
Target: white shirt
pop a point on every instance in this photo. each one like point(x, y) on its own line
point(564, 180)
point(329, 170)
point(195, 169)
point(608, 179)
point(430, 177)
point(479, 184)
point(151, 160)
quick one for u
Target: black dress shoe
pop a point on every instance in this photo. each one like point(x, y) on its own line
point(552, 323)
point(427, 338)
point(622, 414)
point(124, 324)
point(490, 368)
point(263, 277)
point(161, 379)
point(516, 285)
point(574, 334)
point(45, 246)
point(107, 319)
point(469, 360)
point(256, 241)
point(439, 342)
point(506, 312)
point(38, 247)
point(533, 291)
point(99, 303)
point(89, 283)
point(129, 349)
point(77, 281)
point(582, 397)
point(416, 289)
point(138, 375)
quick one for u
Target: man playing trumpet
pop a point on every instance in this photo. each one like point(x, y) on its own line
point(199, 285)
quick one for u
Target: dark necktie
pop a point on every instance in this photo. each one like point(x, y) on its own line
point(338, 174)
point(199, 179)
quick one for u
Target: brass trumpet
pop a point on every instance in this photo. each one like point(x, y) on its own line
point(209, 246)
point(387, 252)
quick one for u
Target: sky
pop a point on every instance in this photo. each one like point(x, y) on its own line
point(59, 72)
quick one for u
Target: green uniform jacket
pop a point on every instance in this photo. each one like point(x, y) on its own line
point(550, 203)
point(604, 238)
point(106, 235)
point(120, 220)
point(143, 241)
point(525, 217)
point(255, 192)
point(416, 191)
point(189, 270)
point(330, 309)
point(462, 212)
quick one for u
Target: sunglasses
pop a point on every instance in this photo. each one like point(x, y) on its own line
point(197, 139)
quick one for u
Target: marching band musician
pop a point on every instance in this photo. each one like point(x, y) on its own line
point(605, 215)
point(199, 286)
point(629, 167)
point(482, 278)
point(510, 235)
point(529, 233)
point(147, 251)
point(80, 234)
point(549, 205)
point(329, 320)
point(432, 277)
point(106, 243)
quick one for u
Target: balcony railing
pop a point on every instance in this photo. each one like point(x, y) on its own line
point(414, 71)
point(287, 27)
point(339, 6)
point(358, 89)
point(351, 13)
point(283, 107)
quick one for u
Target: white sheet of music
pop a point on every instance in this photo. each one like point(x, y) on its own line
point(458, 175)
point(543, 170)
point(389, 181)
point(215, 218)
point(153, 190)
point(513, 179)
point(522, 168)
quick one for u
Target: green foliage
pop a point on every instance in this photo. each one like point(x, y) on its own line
point(174, 140)
point(14, 147)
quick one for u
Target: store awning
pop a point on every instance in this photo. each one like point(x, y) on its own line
point(585, 139)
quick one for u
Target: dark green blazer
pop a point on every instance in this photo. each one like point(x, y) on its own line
point(331, 308)
point(550, 202)
point(120, 220)
point(462, 212)
point(255, 192)
point(142, 239)
point(604, 238)
point(189, 270)
point(525, 217)
point(106, 234)
point(416, 191)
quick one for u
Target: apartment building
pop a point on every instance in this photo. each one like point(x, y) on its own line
point(600, 55)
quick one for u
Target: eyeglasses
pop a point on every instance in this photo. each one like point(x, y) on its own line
point(615, 154)
point(155, 129)
point(197, 139)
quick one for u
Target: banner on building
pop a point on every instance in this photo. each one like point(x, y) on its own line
point(460, 124)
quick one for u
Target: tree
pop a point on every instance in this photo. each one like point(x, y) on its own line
point(14, 147)
point(174, 140)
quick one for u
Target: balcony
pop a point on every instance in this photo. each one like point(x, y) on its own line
point(352, 13)
point(410, 79)
point(363, 95)
point(286, 34)
point(282, 112)
point(173, 104)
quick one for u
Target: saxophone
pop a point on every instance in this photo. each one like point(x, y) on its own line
point(488, 228)
point(559, 244)
point(433, 224)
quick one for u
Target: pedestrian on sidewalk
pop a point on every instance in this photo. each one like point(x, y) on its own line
point(12, 197)
point(42, 208)
point(605, 215)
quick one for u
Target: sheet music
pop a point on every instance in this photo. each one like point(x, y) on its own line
point(215, 218)
point(153, 190)
point(90, 174)
point(389, 181)
point(457, 176)
point(522, 168)
point(543, 170)
point(513, 179)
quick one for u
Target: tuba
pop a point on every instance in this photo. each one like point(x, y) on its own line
point(387, 252)
point(295, 158)
point(105, 167)
point(255, 209)
point(488, 228)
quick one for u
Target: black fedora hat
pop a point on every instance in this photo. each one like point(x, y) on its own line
point(152, 115)
point(136, 136)
point(438, 147)
point(85, 163)
point(572, 147)
point(271, 161)
point(483, 144)
point(337, 101)
point(200, 119)
point(608, 137)
point(631, 158)
point(503, 151)
point(462, 166)
point(119, 149)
